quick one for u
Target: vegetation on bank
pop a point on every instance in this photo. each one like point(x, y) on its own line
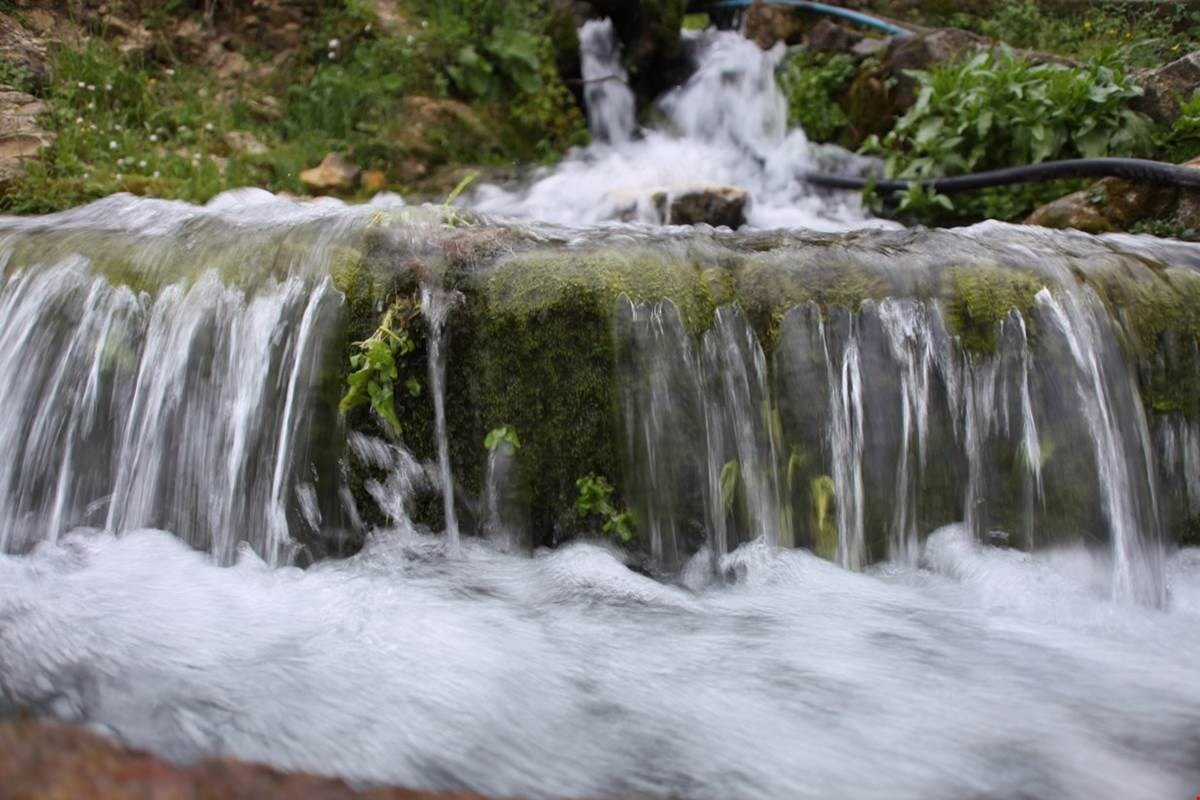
point(460, 82)
point(1001, 107)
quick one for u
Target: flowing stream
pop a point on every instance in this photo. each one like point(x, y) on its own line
point(886, 543)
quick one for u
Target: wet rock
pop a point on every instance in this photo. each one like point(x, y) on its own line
point(48, 760)
point(19, 45)
point(334, 175)
point(21, 137)
point(766, 24)
point(714, 205)
point(1165, 88)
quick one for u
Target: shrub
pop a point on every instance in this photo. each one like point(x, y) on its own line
point(1000, 110)
point(812, 82)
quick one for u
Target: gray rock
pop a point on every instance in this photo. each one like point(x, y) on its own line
point(1166, 87)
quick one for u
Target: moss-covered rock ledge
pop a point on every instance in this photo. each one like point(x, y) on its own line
point(532, 343)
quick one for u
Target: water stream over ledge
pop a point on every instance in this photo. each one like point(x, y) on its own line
point(910, 508)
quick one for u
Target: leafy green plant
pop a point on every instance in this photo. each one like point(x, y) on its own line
point(812, 82)
point(375, 369)
point(505, 434)
point(595, 498)
point(1182, 141)
point(999, 109)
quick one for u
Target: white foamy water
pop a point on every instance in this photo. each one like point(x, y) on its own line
point(726, 126)
point(990, 674)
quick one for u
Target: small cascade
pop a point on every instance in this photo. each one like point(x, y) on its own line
point(911, 335)
point(846, 445)
point(727, 126)
point(741, 422)
point(606, 92)
point(504, 522)
point(1121, 440)
point(435, 306)
point(159, 414)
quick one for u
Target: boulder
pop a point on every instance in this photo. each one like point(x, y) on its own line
point(714, 205)
point(334, 175)
point(1116, 204)
point(44, 759)
point(21, 46)
point(1166, 87)
point(922, 52)
point(21, 137)
point(765, 24)
point(829, 37)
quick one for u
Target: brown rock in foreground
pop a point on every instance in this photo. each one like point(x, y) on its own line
point(43, 760)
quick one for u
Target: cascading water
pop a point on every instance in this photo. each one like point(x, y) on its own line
point(435, 305)
point(726, 126)
point(827, 446)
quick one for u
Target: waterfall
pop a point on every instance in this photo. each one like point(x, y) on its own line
point(435, 306)
point(606, 93)
point(1121, 439)
point(130, 413)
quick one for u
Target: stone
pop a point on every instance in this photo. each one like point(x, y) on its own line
point(44, 759)
point(1116, 204)
point(245, 143)
point(21, 136)
point(1166, 87)
point(923, 51)
point(714, 205)
point(829, 37)
point(19, 45)
point(373, 181)
point(765, 24)
point(1074, 210)
point(334, 175)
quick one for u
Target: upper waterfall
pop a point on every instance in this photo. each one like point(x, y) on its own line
point(726, 126)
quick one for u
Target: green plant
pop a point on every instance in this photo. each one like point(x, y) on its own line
point(15, 74)
point(595, 498)
point(375, 370)
point(812, 82)
point(505, 434)
point(1182, 141)
point(999, 109)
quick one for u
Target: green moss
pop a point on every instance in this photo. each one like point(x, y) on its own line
point(976, 298)
point(1159, 316)
point(531, 283)
point(767, 289)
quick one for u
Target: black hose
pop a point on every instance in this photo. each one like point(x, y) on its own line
point(1135, 169)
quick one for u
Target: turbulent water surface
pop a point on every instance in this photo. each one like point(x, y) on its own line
point(991, 673)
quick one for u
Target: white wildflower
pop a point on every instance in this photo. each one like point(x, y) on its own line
point(112, 145)
point(334, 44)
point(154, 137)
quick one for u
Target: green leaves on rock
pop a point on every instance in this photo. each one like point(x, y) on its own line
point(595, 499)
point(375, 369)
point(502, 435)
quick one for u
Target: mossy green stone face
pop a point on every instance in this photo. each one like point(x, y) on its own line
point(975, 299)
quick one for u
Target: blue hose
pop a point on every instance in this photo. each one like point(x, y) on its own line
point(821, 8)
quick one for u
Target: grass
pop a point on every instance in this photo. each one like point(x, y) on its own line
point(125, 123)
point(1150, 37)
